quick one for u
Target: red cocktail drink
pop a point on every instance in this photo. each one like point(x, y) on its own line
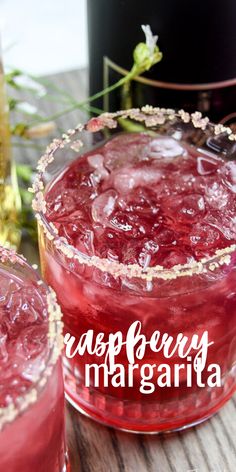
point(31, 387)
point(139, 233)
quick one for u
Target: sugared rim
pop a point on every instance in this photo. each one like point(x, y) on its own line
point(151, 116)
point(55, 341)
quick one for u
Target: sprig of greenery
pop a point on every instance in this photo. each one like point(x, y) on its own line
point(145, 55)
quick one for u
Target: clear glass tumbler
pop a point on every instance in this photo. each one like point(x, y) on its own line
point(183, 296)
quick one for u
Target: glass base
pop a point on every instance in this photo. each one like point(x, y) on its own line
point(169, 411)
point(146, 428)
point(104, 423)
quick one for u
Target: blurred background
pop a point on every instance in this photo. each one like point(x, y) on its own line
point(57, 53)
point(44, 37)
point(198, 40)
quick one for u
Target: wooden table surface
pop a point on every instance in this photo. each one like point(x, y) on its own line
point(95, 448)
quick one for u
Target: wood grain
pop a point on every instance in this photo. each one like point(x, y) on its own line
point(210, 447)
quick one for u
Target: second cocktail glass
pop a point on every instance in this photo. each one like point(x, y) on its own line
point(32, 430)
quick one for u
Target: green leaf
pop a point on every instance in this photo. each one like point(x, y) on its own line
point(19, 129)
point(131, 126)
point(143, 59)
point(26, 197)
point(12, 103)
point(24, 172)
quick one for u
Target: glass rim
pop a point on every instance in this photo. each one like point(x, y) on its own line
point(151, 116)
point(21, 403)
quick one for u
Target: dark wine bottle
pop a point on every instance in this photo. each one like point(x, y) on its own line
point(198, 41)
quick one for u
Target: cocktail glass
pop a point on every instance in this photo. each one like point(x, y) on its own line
point(31, 381)
point(104, 295)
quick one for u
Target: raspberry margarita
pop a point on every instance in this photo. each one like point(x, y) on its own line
point(143, 229)
point(31, 384)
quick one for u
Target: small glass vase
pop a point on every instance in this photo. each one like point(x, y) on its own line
point(10, 201)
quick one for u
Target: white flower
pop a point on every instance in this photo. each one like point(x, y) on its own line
point(40, 131)
point(151, 40)
point(145, 54)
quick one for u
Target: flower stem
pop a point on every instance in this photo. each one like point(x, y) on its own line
point(88, 100)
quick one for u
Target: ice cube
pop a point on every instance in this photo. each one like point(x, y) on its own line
point(207, 164)
point(32, 341)
point(103, 206)
point(130, 178)
point(3, 345)
point(185, 209)
point(225, 223)
point(31, 351)
point(164, 148)
point(228, 172)
point(149, 249)
point(96, 162)
point(85, 242)
point(121, 222)
point(216, 195)
point(141, 200)
point(204, 235)
point(131, 225)
point(68, 200)
point(166, 237)
point(23, 308)
point(125, 149)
